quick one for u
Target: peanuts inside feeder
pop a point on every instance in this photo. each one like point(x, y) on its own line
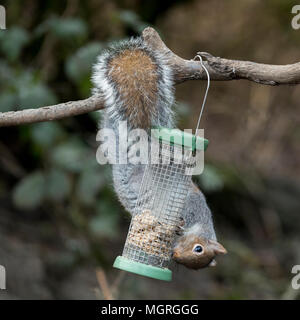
point(157, 215)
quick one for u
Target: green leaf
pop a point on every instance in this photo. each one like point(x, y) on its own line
point(31, 92)
point(71, 156)
point(104, 226)
point(132, 20)
point(8, 102)
point(58, 185)
point(46, 133)
point(105, 223)
point(35, 95)
point(7, 74)
point(30, 191)
point(12, 42)
point(64, 28)
point(90, 183)
point(79, 65)
point(211, 179)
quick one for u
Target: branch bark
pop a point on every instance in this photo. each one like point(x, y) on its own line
point(49, 113)
point(220, 69)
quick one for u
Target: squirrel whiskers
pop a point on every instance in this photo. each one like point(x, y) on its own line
point(136, 84)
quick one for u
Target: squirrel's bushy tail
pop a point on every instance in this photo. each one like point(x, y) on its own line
point(136, 83)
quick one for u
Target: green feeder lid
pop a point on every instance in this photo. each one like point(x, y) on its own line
point(179, 137)
point(142, 269)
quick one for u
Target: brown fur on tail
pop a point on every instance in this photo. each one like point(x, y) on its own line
point(136, 83)
point(135, 76)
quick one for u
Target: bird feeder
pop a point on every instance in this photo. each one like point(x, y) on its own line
point(157, 215)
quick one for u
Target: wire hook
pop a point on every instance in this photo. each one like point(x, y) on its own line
point(206, 92)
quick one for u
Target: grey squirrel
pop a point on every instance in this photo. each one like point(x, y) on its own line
point(137, 86)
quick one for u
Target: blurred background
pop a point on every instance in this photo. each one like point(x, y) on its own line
point(61, 225)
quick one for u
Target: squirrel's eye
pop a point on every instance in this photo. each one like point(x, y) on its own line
point(198, 248)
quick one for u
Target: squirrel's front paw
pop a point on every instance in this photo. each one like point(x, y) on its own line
point(179, 229)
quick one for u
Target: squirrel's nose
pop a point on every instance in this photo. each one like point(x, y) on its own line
point(174, 254)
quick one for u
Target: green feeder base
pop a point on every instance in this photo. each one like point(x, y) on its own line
point(143, 269)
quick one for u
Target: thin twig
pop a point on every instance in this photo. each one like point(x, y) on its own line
point(49, 113)
point(101, 277)
point(115, 288)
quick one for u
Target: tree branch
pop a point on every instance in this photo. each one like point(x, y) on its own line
point(49, 113)
point(223, 69)
point(220, 69)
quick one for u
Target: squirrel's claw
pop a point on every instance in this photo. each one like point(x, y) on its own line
point(180, 229)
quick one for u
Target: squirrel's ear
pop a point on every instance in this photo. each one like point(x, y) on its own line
point(217, 247)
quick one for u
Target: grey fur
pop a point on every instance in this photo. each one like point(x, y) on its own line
point(127, 178)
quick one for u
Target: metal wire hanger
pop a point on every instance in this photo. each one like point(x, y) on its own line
point(206, 91)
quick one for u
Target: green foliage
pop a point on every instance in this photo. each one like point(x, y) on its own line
point(46, 134)
point(132, 20)
point(35, 188)
point(91, 181)
point(71, 155)
point(24, 89)
point(58, 185)
point(35, 95)
point(211, 179)
point(6, 73)
point(66, 29)
point(105, 223)
point(30, 191)
point(12, 42)
point(79, 66)
point(7, 101)
point(68, 171)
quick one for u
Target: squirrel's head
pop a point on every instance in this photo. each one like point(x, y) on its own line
point(197, 252)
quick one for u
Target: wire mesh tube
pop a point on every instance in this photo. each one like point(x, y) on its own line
point(157, 214)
